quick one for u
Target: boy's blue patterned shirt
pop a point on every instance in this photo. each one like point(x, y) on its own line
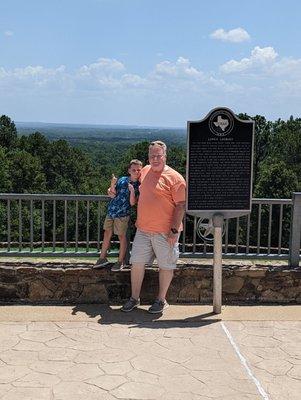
point(120, 206)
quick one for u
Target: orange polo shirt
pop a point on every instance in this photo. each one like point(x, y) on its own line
point(159, 194)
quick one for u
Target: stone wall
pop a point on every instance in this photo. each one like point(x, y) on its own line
point(64, 283)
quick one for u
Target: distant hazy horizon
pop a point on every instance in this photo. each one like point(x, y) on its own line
point(108, 126)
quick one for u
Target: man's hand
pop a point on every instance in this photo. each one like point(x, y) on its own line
point(172, 238)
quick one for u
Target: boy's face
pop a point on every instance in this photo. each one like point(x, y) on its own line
point(134, 172)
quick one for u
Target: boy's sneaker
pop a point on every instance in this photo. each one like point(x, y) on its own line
point(158, 306)
point(118, 266)
point(130, 305)
point(101, 262)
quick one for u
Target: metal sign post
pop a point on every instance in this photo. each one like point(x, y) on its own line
point(218, 220)
point(219, 179)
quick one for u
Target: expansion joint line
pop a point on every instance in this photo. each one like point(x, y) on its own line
point(244, 363)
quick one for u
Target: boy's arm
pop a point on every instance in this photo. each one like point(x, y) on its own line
point(112, 188)
point(113, 184)
point(111, 193)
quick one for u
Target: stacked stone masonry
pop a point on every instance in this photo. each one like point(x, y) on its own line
point(54, 283)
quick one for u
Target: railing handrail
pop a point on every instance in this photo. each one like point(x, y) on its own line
point(49, 196)
point(272, 201)
point(101, 197)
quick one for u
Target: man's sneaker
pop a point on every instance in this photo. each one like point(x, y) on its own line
point(130, 305)
point(118, 266)
point(158, 306)
point(101, 262)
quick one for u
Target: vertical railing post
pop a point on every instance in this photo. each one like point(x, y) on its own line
point(8, 226)
point(88, 227)
point(76, 226)
point(31, 225)
point(65, 224)
point(43, 225)
point(295, 236)
point(20, 225)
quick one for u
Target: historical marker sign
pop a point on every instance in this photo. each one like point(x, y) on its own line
point(219, 165)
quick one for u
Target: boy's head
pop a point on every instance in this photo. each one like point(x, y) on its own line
point(134, 169)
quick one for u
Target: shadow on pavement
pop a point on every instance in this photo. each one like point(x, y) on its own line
point(140, 318)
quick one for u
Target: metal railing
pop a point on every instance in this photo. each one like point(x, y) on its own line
point(71, 225)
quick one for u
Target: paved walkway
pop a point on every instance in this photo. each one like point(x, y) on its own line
point(89, 352)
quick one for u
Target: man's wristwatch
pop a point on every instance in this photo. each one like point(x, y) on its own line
point(174, 230)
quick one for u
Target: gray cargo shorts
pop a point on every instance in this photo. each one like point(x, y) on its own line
point(148, 246)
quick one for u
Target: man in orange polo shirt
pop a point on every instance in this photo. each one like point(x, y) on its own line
point(161, 208)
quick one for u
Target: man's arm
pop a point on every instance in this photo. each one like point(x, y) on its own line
point(178, 215)
point(177, 218)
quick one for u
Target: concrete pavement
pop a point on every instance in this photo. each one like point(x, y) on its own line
point(97, 352)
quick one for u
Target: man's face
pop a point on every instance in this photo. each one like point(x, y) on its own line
point(134, 172)
point(157, 158)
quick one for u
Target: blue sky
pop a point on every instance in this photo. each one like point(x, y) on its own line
point(143, 62)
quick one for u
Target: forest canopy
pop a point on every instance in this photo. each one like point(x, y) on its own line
point(36, 163)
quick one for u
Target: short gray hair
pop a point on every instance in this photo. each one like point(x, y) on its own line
point(158, 143)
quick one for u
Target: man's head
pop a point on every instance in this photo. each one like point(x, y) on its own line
point(134, 169)
point(157, 155)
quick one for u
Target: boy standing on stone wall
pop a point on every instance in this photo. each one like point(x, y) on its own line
point(118, 214)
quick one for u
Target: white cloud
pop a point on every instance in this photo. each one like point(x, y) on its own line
point(264, 54)
point(102, 66)
point(171, 88)
point(105, 73)
point(133, 80)
point(286, 66)
point(33, 78)
point(8, 33)
point(181, 69)
point(259, 57)
point(236, 35)
point(108, 76)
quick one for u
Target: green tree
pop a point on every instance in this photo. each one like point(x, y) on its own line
point(36, 144)
point(5, 183)
point(8, 132)
point(276, 180)
point(26, 172)
point(68, 170)
point(262, 140)
point(286, 145)
point(138, 151)
point(176, 158)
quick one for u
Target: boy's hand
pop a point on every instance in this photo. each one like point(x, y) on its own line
point(131, 188)
point(113, 180)
point(111, 193)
